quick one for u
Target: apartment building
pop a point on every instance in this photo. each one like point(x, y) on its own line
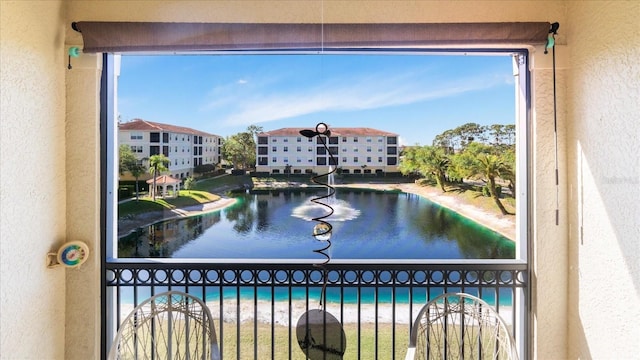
point(352, 150)
point(186, 148)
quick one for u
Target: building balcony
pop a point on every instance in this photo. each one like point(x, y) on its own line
point(257, 306)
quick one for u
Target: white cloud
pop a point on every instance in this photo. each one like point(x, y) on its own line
point(239, 106)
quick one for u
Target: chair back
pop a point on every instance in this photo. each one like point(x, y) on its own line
point(460, 326)
point(169, 325)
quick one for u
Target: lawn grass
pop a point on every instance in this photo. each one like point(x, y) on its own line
point(280, 339)
point(146, 204)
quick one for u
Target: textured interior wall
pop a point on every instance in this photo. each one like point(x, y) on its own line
point(32, 179)
point(604, 179)
point(549, 253)
point(549, 276)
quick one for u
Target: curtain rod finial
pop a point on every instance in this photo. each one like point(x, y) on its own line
point(74, 26)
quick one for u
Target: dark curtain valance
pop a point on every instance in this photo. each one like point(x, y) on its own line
point(153, 36)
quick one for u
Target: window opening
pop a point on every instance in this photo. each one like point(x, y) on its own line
point(507, 128)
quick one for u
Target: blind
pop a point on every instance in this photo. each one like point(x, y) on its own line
point(161, 36)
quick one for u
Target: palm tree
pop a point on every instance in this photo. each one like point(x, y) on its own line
point(491, 166)
point(157, 164)
point(429, 161)
point(137, 169)
point(437, 164)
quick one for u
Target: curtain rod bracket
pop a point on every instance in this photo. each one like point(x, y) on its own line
point(551, 39)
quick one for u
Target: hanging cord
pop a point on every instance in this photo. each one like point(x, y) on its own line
point(552, 44)
point(322, 230)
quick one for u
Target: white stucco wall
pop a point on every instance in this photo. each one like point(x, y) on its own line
point(32, 179)
point(604, 179)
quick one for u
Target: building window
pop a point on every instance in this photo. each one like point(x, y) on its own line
point(136, 136)
point(286, 140)
point(298, 148)
point(285, 149)
point(368, 148)
point(286, 159)
point(274, 149)
point(321, 160)
point(154, 137)
point(154, 150)
point(274, 159)
point(274, 140)
point(263, 150)
point(165, 137)
point(391, 160)
point(392, 150)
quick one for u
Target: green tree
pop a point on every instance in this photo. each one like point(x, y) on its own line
point(189, 183)
point(508, 156)
point(480, 161)
point(428, 161)
point(240, 149)
point(129, 162)
point(157, 164)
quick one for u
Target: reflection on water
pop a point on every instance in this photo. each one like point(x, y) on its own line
point(276, 224)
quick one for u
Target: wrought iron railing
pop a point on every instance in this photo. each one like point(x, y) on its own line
point(257, 306)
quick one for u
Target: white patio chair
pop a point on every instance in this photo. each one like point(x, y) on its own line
point(169, 325)
point(460, 326)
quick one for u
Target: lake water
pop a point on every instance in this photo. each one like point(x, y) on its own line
point(367, 225)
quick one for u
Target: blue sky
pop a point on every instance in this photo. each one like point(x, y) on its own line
point(414, 96)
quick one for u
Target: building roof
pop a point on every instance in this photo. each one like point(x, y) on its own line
point(144, 125)
point(334, 132)
point(164, 179)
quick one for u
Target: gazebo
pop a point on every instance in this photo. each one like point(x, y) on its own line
point(170, 186)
